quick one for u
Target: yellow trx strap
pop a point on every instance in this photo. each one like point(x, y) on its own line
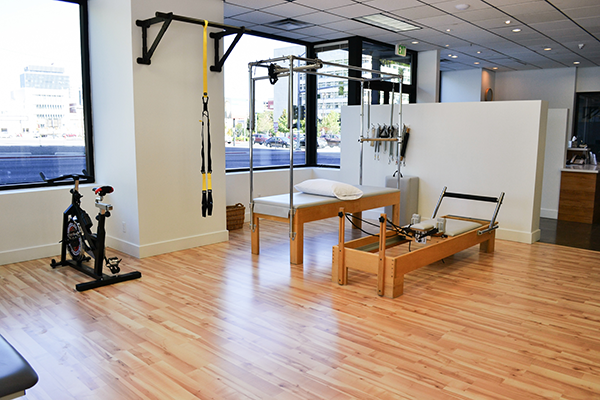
point(207, 200)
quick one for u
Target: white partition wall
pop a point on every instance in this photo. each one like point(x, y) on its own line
point(481, 148)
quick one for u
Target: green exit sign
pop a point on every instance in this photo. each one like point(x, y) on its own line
point(400, 50)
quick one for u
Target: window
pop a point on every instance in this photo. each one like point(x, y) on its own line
point(587, 120)
point(271, 140)
point(333, 93)
point(44, 100)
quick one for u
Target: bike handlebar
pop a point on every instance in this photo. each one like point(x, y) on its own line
point(74, 177)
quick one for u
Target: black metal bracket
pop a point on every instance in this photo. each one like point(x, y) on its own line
point(167, 18)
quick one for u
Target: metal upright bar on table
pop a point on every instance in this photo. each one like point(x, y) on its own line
point(362, 131)
point(251, 129)
point(291, 130)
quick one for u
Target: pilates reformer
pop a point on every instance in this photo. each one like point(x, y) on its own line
point(447, 236)
point(298, 208)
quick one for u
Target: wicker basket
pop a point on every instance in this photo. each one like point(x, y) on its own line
point(235, 216)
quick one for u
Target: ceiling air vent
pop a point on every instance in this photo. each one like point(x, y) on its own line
point(288, 24)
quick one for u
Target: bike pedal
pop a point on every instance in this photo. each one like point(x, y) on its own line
point(113, 264)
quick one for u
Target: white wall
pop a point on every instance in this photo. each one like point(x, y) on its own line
point(113, 118)
point(480, 148)
point(554, 160)
point(428, 77)
point(146, 135)
point(556, 86)
point(374, 171)
point(588, 79)
point(461, 86)
point(168, 107)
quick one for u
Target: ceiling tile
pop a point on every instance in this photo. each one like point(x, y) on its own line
point(440, 22)
point(325, 5)
point(480, 27)
point(346, 25)
point(230, 10)
point(450, 6)
point(393, 4)
point(320, 18)
point(527, 7)
point(354, 10)
point(547, 16)
point(289, 10)
point(417, 12)
point(255, 4)
point(583, 12)
point(258, 17)
point(483, 15)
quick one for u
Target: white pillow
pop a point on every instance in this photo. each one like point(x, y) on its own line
point(325, 187)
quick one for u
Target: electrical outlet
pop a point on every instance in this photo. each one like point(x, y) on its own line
point(124, 227)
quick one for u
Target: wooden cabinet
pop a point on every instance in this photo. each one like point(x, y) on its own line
point(579, 197)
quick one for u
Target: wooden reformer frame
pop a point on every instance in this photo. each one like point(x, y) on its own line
point(368, 254)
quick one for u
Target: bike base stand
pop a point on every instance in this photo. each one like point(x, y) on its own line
point(101, 280)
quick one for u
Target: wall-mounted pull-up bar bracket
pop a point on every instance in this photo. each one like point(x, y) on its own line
point(167, 18)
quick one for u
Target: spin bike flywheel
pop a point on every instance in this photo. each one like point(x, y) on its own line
point(74, 240)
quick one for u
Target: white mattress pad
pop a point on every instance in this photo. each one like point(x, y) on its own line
point(279, 205)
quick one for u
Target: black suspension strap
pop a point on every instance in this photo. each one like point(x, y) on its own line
point(207, 199)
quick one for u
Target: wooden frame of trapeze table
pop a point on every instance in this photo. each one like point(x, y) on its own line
point(368, 254)
point(323, 211)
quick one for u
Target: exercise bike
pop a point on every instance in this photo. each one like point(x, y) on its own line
point(79, 240)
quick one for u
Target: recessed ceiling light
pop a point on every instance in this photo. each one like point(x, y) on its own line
point(448, 30)
point(462, 7)
point(517, 30)
point(386, 22)
point(547, 48)
point(479, 52)
point(476, 63)
point(415, 42)
point(447, 45)
point(449, 55)
point(507, 22)
point(576, 63)
point(495, 68)
point(454, 56)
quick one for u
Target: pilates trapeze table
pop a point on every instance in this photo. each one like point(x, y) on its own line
point(308, 208)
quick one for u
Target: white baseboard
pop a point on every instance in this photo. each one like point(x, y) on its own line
point(547, 213)
point(29, 253)
point(169, 246)
point(518, 236)
point(148, 250)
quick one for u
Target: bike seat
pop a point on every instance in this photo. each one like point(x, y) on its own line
point(103, 190)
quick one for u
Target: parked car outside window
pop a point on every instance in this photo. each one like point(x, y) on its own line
point(277, 141)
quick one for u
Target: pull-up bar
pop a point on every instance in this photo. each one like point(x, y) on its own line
point(167, 18)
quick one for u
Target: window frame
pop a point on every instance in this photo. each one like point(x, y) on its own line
point(355, 47)
point(87, 104)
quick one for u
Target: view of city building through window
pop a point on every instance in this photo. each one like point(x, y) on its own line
point(272, 138)
point(41, 97)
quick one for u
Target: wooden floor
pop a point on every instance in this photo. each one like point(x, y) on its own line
point(219, 323)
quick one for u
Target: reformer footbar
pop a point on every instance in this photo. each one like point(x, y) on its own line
point(207, 199)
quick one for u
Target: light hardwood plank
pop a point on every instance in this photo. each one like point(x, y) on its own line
point(218, 322)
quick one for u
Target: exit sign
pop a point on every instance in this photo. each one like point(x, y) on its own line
point(400, 50)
